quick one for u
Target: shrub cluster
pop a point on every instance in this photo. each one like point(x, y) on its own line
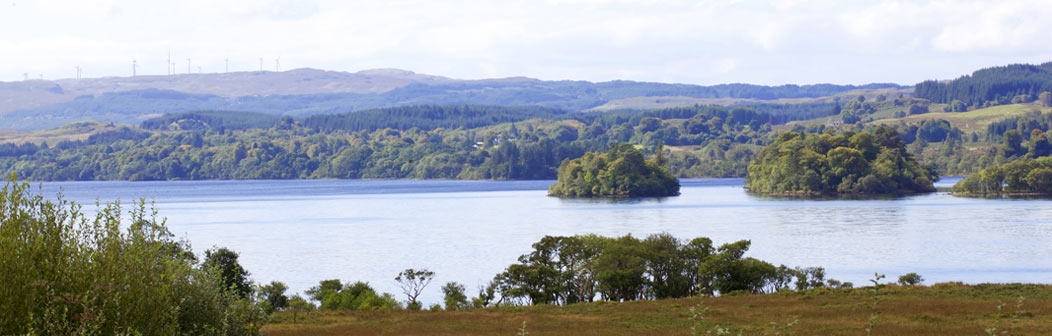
point(67, 274)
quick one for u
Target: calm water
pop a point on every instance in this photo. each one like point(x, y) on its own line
point(300, 232)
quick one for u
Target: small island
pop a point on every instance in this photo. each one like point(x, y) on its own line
point(621, 172)
point(864, 163)
point(1024, 177)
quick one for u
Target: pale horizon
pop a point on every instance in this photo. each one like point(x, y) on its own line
point(703, 43)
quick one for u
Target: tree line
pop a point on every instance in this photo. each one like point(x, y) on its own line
point(531, 149)
point(1024, 176)
point(1010, 84)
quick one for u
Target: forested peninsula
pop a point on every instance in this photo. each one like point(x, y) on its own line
point(1024, 177)
point(621, 172)
point(847, 163)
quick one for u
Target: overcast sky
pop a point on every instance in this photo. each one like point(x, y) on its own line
point(699, 42)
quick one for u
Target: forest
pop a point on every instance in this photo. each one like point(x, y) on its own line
point(205, 146)
point(1001, 85)
point(501, 142)
point(848, 163)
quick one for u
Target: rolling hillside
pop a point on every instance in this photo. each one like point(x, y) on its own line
point(37, 104)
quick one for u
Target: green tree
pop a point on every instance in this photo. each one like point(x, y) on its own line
point(620, 269)
point(413, 283)
point(1045, 98)
point(956, 106)
point(914, 109)
point(667, 266)
point(273, 295)
point(454, 296)
point(1040, 180)
point(910, 279)
point(1011, 144)
point(298, 304)
point(1039, 144)
point(224, 261)
point(323, 289)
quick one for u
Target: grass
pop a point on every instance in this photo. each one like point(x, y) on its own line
point(660, 102)
point(975, 120)
point(73, 132)
point(971, 121)
point(942, 309)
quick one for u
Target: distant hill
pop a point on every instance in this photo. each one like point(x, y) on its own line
point(37, 93)
point(39, 104)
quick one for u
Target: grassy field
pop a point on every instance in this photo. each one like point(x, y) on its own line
point(72, 132)
point(660, 102)
point(942, 309)
point(975, 120)
point(971, 121)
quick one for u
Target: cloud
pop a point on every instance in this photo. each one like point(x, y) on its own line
point(705, 42)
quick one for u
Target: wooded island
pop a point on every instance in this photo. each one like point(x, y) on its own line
point(621, 172)
point(847, 163)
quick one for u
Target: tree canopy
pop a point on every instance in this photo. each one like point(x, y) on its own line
point(1023, 176)
point(585, 268)
point(1015, 83)
point(621, 172)
point(410, 142)
point(849, 163)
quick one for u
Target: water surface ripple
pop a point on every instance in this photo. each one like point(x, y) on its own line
point(303, 231)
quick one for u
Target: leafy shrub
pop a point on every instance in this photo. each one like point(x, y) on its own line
point(351, 296)
point(65, 273)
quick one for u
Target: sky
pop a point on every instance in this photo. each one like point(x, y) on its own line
point(697, 42)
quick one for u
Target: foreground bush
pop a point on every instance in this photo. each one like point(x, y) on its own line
point(67, 274)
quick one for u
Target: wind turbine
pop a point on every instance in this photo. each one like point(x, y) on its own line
point(78, 72)
point(227, 65)
point(134, 65)
point(261, 64)
point(277, 64)
point(188, 71)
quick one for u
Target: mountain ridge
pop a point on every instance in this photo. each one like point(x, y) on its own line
point(41, 104)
